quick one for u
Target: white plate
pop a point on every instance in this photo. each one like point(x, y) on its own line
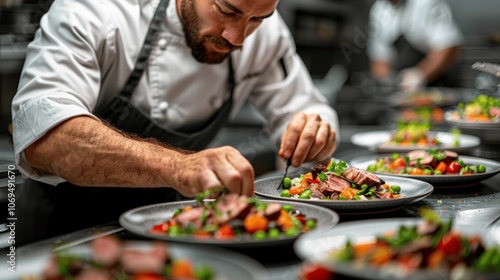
point(412, 191)
point(226, 264)
point(140, 220)
point(374, 140)
point(448, 181)
point(448, 117)
point(315, 247)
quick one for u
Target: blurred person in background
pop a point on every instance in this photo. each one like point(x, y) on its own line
point(412, 43)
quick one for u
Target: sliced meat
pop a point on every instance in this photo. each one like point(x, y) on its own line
point(426, 160)
point(315, 192)
point(361, 177)
point(231, 206)
point(415, 154)
point(427, 228)
point(107, 250)
point(332, 185)
point(450, 156)
point(192, 216)
point(135, 261)
point(273, 211)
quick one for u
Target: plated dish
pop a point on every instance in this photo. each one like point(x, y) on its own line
point(411, 190)
point(141, 259)
point(380, 142)
point(491, 168)
point(425, 97)
point(142, 220)
point(410, 248)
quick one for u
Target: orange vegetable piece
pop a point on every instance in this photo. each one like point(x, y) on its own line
point(349, 193)
point(147, 276)
point(255, 223)
point(298, 189)
point(441, 167)
point(435, 258)
point(416, 171)
point(284, 220)
point(182, 268)
point(381, 255)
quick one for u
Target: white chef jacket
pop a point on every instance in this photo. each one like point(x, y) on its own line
point(85, 50)
point(427, 25)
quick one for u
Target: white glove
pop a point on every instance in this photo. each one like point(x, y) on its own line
point(412, 79)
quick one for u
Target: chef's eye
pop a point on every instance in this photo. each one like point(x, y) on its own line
point(222, 12)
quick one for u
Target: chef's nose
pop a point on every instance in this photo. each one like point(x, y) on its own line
point(235, 33)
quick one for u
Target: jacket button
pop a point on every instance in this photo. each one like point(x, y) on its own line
point(163, 106)
point(162, 43)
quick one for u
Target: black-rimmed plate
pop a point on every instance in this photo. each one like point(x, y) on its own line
point(377, 140)
point(140, 220)
point(487, 131)
point(448, 181)
point(315, 247)
point(226, 264)
point(412, 191)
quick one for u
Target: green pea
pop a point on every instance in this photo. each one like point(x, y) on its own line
point(259, 235)
point(481, 168)
point(287, 183)
point(427, 171)
point(204, 272)
point(173, 231)
point(305, 195)
point(372, 168)
point(284, 193)
point(292, 232)
point(274, 233)
point(437, 172)
point(395, 189)
point(311, 223)
point(287, 208)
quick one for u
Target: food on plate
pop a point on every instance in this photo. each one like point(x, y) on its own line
point(432, 245)
point(110, 258)
point(422, 162)
point(233, 217)
point(482, 108)
point(422, 114)
point(338, 181)
point(423, 98)
point(409, 134)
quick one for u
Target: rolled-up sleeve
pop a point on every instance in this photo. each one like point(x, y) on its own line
point(442, 30)
point(61, 75)
point(286, 88)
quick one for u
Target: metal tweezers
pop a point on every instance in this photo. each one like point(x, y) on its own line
point(490, 68)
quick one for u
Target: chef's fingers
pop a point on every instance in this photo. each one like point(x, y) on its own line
point(307, 139)
point(234, 171)
point(246, 171)
point(320, 141)
point(291, 135)
point(329, 147)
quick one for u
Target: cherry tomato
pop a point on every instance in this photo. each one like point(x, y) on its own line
point(450, 244)
point(224, 232)
point(453, 167)
point(398, 163)
point(310, 271)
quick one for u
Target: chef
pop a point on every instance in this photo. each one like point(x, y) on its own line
point(118, 100)
point(412, 41)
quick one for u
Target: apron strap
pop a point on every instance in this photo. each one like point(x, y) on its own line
point(147, 47)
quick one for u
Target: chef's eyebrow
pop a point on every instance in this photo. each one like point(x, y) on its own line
point(238, 11)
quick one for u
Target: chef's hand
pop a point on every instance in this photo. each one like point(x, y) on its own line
point(212, 168)
point(308, 138)
point(412, 79)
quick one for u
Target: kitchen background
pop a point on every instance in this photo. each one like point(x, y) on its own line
point(331, 39)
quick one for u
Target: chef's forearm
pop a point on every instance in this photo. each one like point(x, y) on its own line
point(380, 69)
point(437, 61)
point(87, 152)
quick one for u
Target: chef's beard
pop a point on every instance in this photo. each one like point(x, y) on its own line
point(191, 27)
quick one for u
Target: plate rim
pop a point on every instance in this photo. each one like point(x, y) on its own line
point(343, 230)
point(433, 179)
point(379, 147)
point(334, 220)
point(368, 205)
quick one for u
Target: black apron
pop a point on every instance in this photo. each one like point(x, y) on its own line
point(45, 210)
point(408, 56)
